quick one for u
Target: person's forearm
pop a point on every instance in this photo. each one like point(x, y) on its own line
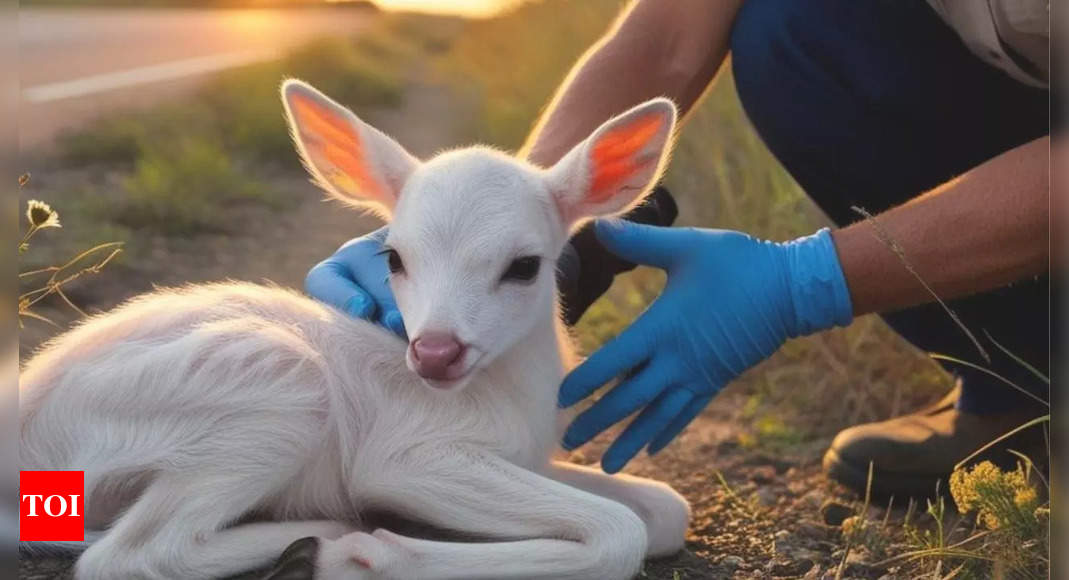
point(983, 230)
point(657, 48)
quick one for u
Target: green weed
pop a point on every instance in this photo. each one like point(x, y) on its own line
point(111, 140)
point(185, 188)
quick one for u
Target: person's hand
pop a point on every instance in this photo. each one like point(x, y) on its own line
point(730, 301)
point(356, 280)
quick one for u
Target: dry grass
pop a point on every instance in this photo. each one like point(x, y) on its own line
point(45, 282)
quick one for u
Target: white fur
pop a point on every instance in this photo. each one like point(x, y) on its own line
point(216, 424)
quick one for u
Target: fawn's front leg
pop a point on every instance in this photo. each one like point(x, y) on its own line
point(665, 512)
point(544, 529)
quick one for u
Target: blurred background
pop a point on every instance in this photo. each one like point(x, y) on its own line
point(157, 124)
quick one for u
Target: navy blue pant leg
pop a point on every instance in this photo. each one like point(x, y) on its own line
point(873, 102)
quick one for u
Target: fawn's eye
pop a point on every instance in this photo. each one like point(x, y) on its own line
point(522, 269)
point(393, 261)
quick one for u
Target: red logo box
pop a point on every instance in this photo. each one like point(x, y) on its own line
point(51, 506)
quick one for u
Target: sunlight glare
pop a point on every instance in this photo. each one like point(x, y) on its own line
point(461, 7)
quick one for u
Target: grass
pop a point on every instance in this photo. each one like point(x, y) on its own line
point(749, 508)
point(507, 64)
point(856, 529)
point(210, 182)
point(1001, 530)
point(186, 164)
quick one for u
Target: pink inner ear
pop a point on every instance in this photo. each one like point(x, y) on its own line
point(335, 148)
point(617, 155)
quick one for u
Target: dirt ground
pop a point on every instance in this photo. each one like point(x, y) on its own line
point(766, 522)
point(763, 521)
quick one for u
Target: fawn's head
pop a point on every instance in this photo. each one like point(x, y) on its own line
point(475, 234)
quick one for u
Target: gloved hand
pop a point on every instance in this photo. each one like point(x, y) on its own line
point(730, 301)
point(356, 280)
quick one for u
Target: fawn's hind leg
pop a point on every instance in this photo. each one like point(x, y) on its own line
point(542, 529)
point(177, 529)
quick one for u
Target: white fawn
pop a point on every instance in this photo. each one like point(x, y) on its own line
point(219, 424)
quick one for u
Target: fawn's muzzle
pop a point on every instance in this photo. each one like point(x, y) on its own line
point(438, 356)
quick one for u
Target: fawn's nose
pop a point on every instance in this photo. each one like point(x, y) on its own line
point(437, 355)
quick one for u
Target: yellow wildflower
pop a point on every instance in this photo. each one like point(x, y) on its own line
point(1000, 498)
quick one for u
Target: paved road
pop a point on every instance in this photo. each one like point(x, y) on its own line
point(76, 64)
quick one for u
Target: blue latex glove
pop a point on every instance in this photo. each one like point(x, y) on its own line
point(356, 280)
point(729, 303)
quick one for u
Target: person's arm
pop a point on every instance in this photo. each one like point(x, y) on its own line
point(732, 300)
point(985, 229)
point(656, 48)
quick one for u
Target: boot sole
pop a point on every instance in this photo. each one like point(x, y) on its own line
point(884, 483)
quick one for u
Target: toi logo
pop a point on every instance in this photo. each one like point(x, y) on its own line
point(51, 506)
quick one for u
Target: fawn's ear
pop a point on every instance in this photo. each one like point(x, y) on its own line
point(617, 165)
point(352, 160)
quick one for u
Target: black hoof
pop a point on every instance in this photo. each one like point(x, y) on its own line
point(297, 562)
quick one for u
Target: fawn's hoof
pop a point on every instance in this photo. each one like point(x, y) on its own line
point(297, 562)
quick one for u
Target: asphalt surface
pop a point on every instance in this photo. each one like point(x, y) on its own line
point(78, 63)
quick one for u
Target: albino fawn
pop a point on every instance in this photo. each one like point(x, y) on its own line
point(218, 424)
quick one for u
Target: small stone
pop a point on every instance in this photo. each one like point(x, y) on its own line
point(764, 474)
point(732, 561)
point(791, 568)
point(788, 546)
point(860, 571)
point(766, 496)
point(815, 530)
point(834, 512)
point(860, 556)
point(798, 487)
point(814, 498)
point(727, 446)
point(783, 543)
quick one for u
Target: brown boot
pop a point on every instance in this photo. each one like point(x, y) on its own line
point(911, 453)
